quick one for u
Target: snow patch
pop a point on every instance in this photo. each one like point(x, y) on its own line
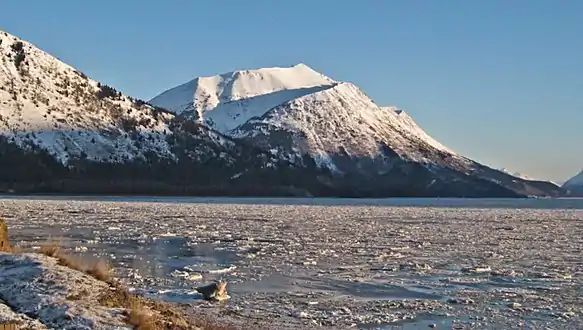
point(407, 123)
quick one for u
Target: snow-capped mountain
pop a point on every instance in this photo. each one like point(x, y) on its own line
point(57, 124)
point(298, 99)
point(231, 99)
point(296, 112)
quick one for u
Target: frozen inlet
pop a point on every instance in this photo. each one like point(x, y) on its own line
point(332, 262)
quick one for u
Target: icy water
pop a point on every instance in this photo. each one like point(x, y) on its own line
point(371, 264)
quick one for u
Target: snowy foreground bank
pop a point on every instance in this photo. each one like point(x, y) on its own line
point(38, 293)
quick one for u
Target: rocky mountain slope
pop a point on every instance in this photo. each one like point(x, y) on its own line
point(304, 117)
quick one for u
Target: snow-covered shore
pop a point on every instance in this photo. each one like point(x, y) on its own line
point(38, 293)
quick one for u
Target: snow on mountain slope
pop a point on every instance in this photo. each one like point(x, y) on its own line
point(409, 124)
point(233, 101)
point(47, 103)
point(106, 142)
point(343, 120)
point(516, 174)
point(576, 181)
point(332, 116)
point(228, 100)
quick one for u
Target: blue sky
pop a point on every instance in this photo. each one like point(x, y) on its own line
point(498, 81)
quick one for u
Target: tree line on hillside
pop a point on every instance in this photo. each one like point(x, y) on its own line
point(34, 170)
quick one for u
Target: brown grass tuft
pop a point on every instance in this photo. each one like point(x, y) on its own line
point(144, 313)
point(140, 317)
point(99, 270)
point(4, 242)
point(51, 249)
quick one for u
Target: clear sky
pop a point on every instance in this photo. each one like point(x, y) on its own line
point(498, 81)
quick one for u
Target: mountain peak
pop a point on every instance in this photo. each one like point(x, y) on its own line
point(255, 82)
point(303, 66)
point(274, 85)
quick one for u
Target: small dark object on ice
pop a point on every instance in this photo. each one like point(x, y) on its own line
point(215, 291)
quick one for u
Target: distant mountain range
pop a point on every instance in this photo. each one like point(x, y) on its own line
point(274, 131)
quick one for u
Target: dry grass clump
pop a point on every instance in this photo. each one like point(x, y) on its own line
point(139, 316)
point(98, 269)
point(141, 320)
point(4, 242)
point(50, 249)
point(144, 313)
point(147, 314)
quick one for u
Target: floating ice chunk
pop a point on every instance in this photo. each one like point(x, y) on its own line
point(478, 269)
point(221, 271)
point(414, 266)
point(186, 275)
